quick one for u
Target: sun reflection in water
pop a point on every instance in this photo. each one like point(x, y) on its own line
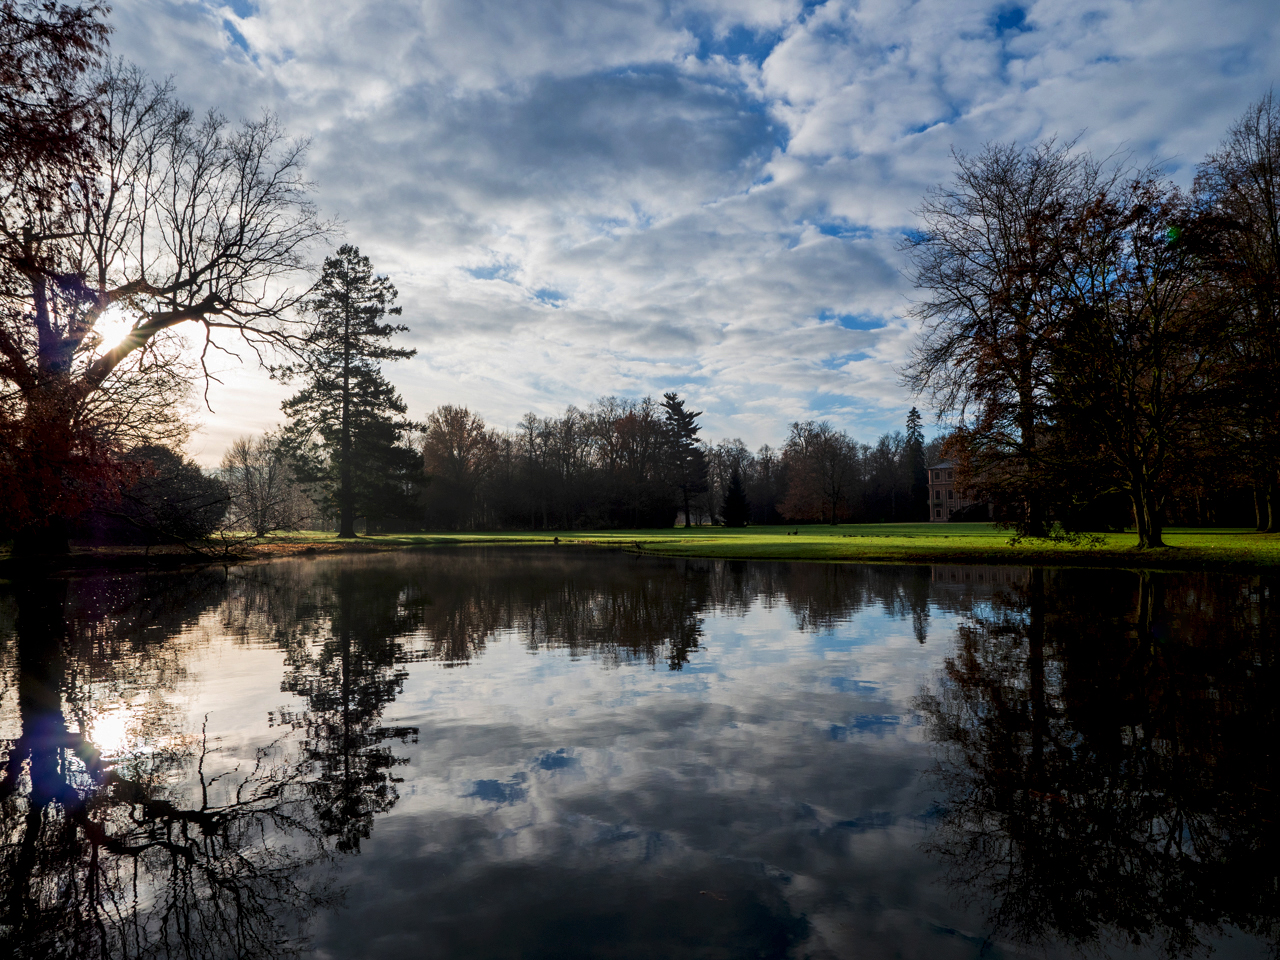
point(113, 731)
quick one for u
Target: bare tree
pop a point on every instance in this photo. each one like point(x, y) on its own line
point(1240, 182)
point(992, 260)
point(167, 219)
point(264, 493)
point(1138, 376)
point(822, 468)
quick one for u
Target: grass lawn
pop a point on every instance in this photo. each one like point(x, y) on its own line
point(864, 543)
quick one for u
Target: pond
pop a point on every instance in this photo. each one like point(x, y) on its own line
point(528, 753)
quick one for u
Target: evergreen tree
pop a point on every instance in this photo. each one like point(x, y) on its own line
point(916, 466)
point(688, 462)
point(345, 419)
point(736, 510)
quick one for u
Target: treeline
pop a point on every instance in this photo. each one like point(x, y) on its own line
point(618, 463)
point(1107, 340)
point(630, 463)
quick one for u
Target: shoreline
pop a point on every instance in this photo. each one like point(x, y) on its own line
point(1226, 550)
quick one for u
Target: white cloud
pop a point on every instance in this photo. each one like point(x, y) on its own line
point(578, 198)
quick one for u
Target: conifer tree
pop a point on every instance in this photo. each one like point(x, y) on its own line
point(916, 466)
point(688, 462)
point(736, 510)
point(347, 414)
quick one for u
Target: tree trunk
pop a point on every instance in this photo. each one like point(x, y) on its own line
point(1146, 516)
point(346, 504)
point(1034, 519)
point(1139, 518)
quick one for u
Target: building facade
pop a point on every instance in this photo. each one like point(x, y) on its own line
point(945, 498)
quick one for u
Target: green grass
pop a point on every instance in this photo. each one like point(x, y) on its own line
point(880, 543)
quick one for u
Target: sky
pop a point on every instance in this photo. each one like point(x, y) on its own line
point(581, 198)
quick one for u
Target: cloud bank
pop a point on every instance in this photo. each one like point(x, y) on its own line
point(588, 197)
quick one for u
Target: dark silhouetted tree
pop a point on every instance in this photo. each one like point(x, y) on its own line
point(1138, 374)
point(1240, 183)
point(687, 460)
point(735, 511)
point(458, 454)
point(149, 214)
point(822, 469)
point(346, 413)
point(915, 467)
point(991, 259)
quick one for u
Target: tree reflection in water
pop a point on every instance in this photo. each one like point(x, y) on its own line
point(1108, 759)
point(164, 848)
point(113, 859)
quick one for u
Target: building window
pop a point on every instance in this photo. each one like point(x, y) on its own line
point(937, 494)
point(938, 514)
point(937, 474)
point(950, 494)
point(948, 474)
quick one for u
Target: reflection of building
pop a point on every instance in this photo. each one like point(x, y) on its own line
point(971, 575)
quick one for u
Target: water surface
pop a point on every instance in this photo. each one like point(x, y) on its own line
point(530, 753)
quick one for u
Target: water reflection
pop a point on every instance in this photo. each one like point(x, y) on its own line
point(374, 756)
point(152, 854)
point(1110, 764)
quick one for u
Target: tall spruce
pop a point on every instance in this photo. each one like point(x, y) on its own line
point(347, 412)
point(688, 462)
point(736, 511)
point(917, 469)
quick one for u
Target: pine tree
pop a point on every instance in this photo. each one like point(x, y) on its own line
point(688, 462)
point(736, 510)
point(347, 414)
point(916, 466)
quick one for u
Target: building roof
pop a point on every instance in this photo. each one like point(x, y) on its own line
point(943, 465)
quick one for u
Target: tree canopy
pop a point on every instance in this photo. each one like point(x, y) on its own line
point(346, 419)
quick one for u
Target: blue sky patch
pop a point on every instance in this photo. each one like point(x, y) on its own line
point(1010, 20)
point(738, 42)
point(843, 229)
point(498, 791)
point(850, 321)
point(552, 298)
point(236, 36)
point(493, 271)
point(560, 760)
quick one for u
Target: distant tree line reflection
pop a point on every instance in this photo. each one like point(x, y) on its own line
point(1108, 759)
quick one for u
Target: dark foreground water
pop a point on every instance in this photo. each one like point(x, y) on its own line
point(528, 754)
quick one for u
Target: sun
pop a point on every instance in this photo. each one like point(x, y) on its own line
point(113, 326)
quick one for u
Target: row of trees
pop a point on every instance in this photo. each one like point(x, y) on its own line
point(637, 463)
point(618, 463)
point(1099, 331)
